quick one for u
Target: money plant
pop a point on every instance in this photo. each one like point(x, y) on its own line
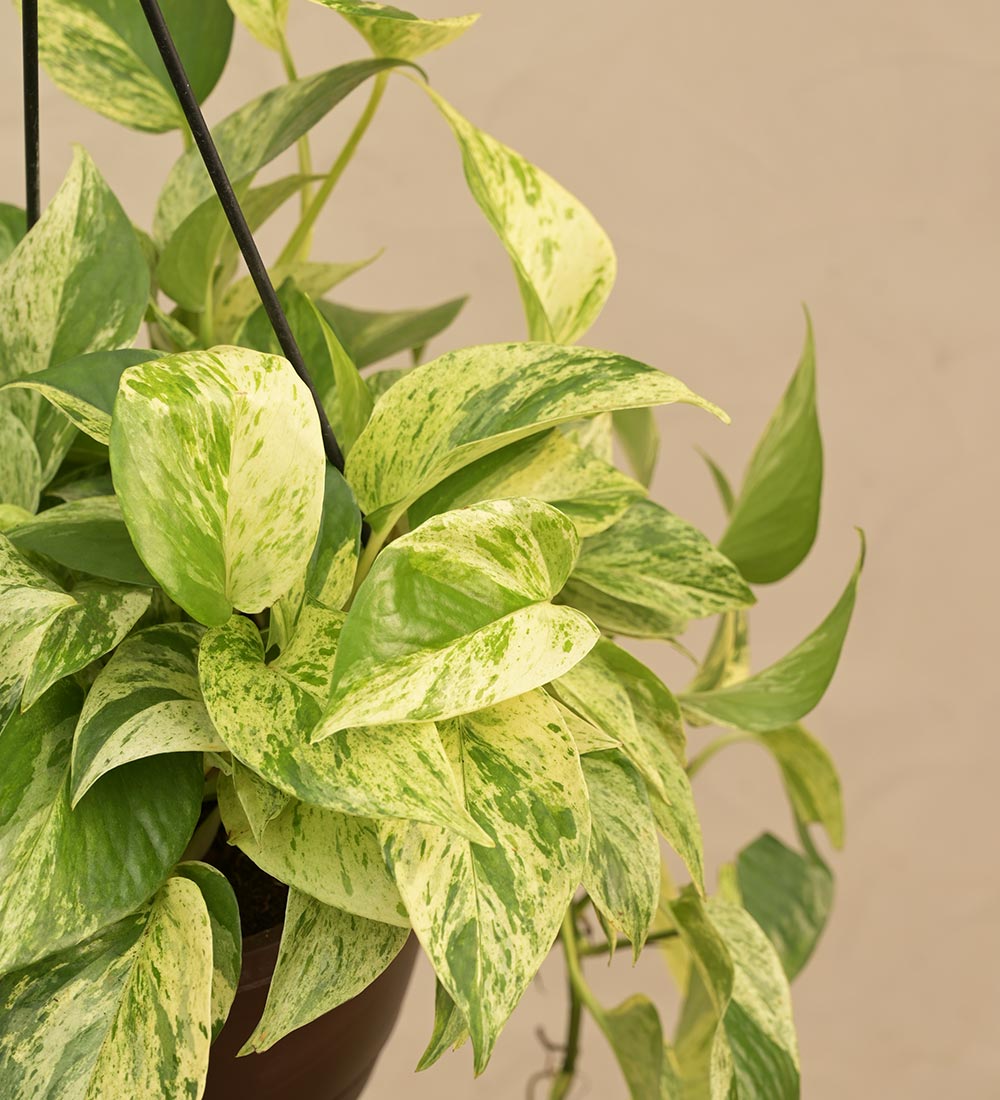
point(405, 691)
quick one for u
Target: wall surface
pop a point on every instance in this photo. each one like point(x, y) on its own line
point(744, 158)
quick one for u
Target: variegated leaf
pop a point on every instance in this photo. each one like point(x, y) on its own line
point(265, 713)
point(639, 437)
point(455, 616)
point(392, 32)
point(326, 957)
point(12, 515)
point(487, 917)
point(467, 404)
point(69, 872)
point(144, 702)
point(20, 466)
point(549, 467)
point(787, 690)
point(103, 55)
point(810, 779)
point(728, 658)
point(651, 558)
point(261, 803)
point(623, 863)
point(264, 19)
point(127, 1013)
point(636, 1036)
point(587, 737)
point(77, 283)
point(13, 226)
point(219, 466)
point(450, 1029)
point(335, 858)
point(372, 335)
point(255, 134)
point(563, 259)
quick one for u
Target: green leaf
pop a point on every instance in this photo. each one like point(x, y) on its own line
point(144, 702)
point(549, 467)
point(127, 1013)
point(774, 520)
point(725, 490)
point(467, 404)
point(13, 226)
point(264, 19)
point(227, 937)
point(587, 737)
point(788, 894)
point(728, 658)
point(392, 32)
point(326, 957)
point(450, 1029)
point(787, 690)
point(11, 515)
point(69, 873)
point(563, 260)
point(455, 617)
point(84, 389)
point(640, 440)
point(219, 466)
point(622, 875)
point(652, 559)
point(255, 134)
point(370, 336)
point(261, 803)
point(636, 1036)
point(810, 779)
point(265, 712)
point(20, 466)
point(487, 917)
point(102, 54)
point(335, 858)
point(87, 536)
point(78, 282)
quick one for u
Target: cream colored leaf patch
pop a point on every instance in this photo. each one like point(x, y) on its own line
point(392, 32)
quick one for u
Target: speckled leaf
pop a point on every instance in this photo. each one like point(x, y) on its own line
point(261, 803)
point(13, 226)
point(392, 32)
point(788, 894)
point(70, 872)
point(12, 515)
point(326, 957)
point(563, 260)
point(335, 858)
point(77, 283)
point(20, 466)
point(487, 917)
point(102, 53)
point(636, 1036)
point(615, 616)
point(265, 713)
point(587, 737)
point(728, 658)
point(125, 1014)
point(454, 617)
point(255, 134)
point(652, 558)
point(464, 405)
point(787, 690)
point(622, 875)
point(810, 778)
point(775, 517)
point(372, 335)
point(227, 938)
point(144, 702)
point(450, 1029)
point(549, 467)
point(639, 437)
point(264, 19)
point(219, 466)
point(87, 536)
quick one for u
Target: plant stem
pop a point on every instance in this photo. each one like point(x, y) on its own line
point(697, 762)
point(203, 836)
point(298, 243)
point(588, 949)
point(305, 153)
point(579, 995)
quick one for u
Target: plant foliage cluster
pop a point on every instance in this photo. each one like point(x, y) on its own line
point(401, 691)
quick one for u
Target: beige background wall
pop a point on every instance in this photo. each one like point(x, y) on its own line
point(746, 157)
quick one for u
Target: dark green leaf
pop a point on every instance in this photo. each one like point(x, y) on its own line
point(370, 336)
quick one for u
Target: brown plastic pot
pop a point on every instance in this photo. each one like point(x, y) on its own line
point(329, 1059)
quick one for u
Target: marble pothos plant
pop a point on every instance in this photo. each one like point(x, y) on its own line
point(405, 691)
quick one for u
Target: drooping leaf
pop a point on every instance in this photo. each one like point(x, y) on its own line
point(775, 517)
point(640, 440)
point(622, 875)
point(447, 413)
point(728, 658)
point(326, 957)
point(20, 466)
point(563, 260)
point(450, 1029)
point(144, 702)
point(487, 917)
point(636, 1036)
point(335, 858)
point(392, 32)
point(219, 466)
point(549, 467)
point(256, 133)
point(70, 872)
point(810, 779)
point(87, 536)
point(454, 617)
point(102, 53)
point(652, 559)
point(787, 690)
point(13, 226)
point(371, 335)
point(722, 485)
point(76, 283)
point(127, 1013)
point(265, 713)
point(264, 19)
